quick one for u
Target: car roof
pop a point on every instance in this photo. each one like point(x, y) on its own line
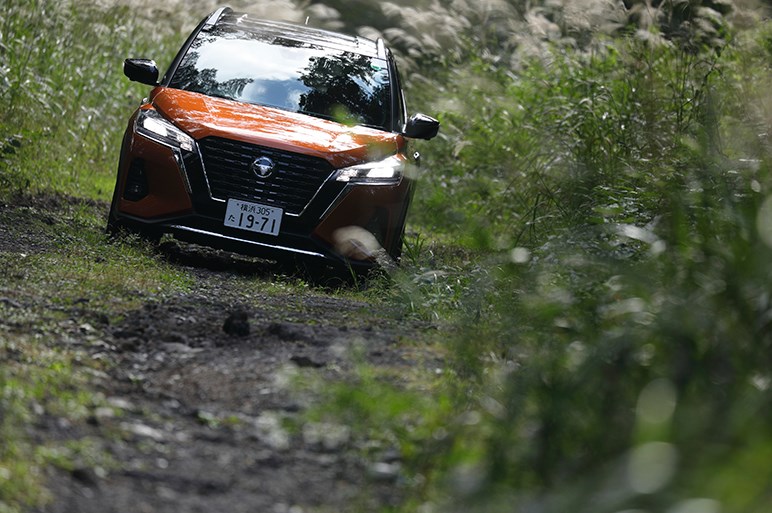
point(227, 17)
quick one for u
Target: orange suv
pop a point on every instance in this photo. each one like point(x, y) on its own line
point(274, 140)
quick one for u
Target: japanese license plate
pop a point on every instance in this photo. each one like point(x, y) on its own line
point(253, 217)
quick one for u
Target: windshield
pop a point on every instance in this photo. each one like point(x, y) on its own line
point(287, 74)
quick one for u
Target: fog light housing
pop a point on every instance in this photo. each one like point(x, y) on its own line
point(136, 182)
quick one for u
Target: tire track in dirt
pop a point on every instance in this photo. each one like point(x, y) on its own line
point(205, 395)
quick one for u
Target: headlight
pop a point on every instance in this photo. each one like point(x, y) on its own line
point(389, 170)
point(153, 126)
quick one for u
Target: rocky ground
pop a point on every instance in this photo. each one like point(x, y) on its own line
point(206, 392)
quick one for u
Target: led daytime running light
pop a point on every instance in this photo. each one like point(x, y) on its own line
point(389, 170)
point(153, 126)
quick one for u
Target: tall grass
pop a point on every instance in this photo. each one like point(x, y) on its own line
point(65, 99)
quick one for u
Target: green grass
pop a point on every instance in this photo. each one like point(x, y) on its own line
point(85, 265)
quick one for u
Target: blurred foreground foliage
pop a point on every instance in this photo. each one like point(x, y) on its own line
point(615, 354)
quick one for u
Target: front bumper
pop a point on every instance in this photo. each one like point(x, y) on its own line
point(161, 190)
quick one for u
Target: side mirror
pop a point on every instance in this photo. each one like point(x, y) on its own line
point(144, 71)
point(421, 126)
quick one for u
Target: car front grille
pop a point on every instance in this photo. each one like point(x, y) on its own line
point(295, 179)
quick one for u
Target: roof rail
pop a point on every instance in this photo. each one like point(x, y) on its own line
point(215, 17)
point(381, 48)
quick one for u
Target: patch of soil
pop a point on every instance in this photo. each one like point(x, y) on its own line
point(204, 408)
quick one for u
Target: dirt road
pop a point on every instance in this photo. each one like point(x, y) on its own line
point(206, 392)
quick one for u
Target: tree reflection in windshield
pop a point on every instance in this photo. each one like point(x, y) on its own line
point(345, 85)
point(205, 81)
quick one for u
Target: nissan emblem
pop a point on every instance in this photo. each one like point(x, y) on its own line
point(262, 167)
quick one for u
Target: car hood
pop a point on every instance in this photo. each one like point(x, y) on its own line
point(204, 116)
